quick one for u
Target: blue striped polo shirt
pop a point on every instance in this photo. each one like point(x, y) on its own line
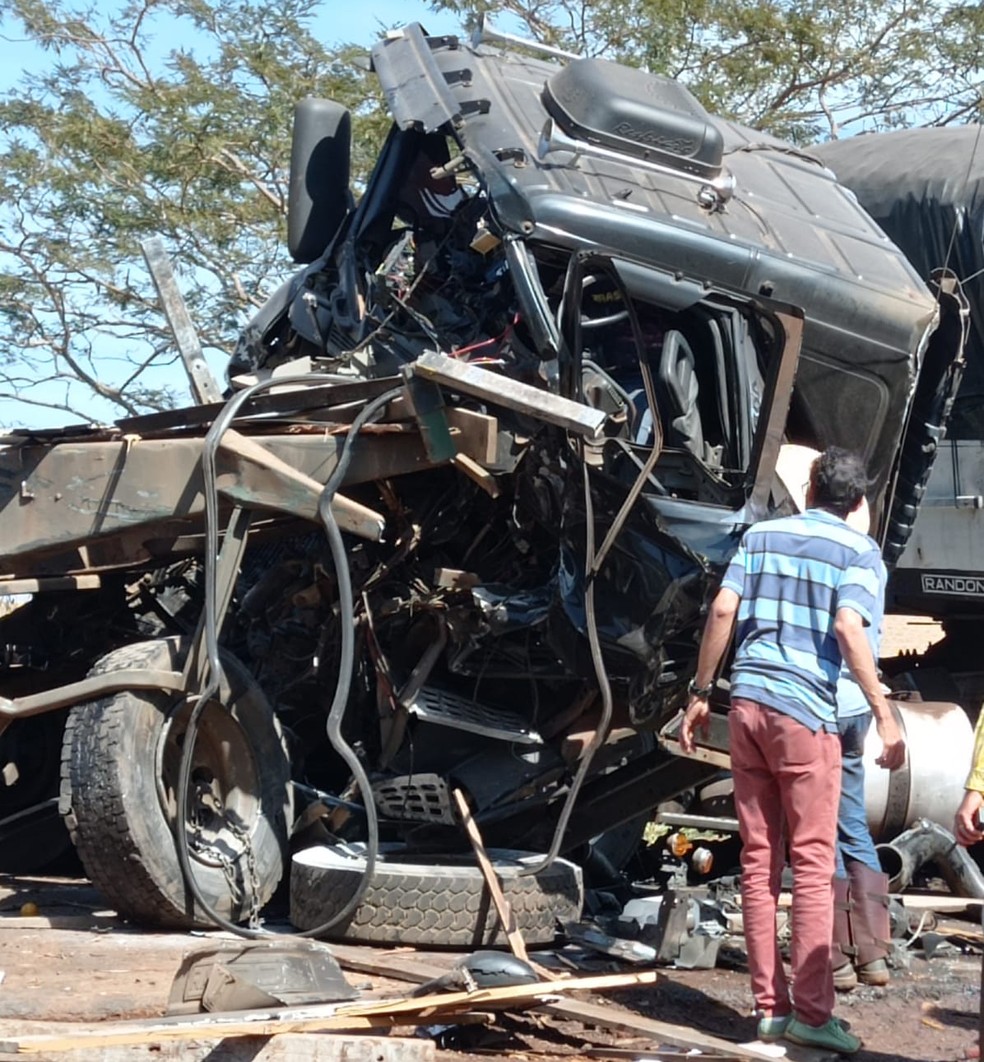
point(851, 701)
point(792, 575)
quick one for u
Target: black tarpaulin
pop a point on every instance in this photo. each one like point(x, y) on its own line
point(925, 188)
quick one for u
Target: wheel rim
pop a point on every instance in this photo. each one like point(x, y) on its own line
point(224, 795)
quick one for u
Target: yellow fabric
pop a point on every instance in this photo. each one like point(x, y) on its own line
point(975, 780)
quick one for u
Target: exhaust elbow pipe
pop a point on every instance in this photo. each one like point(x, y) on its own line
point(929, 842)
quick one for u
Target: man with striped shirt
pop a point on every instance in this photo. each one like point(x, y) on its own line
point(802, 589)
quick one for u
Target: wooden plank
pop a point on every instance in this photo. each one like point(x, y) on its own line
point(476, 434)
point(939, 904)
point(663, 1032)
point(267, 480)
point(135, 1033)
point(513, 935)
point(406, 966)
point(474, 471)
point(396, 964)
point(377, 1013)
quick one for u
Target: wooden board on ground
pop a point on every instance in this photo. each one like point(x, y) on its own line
point(302, 1047)
point(940, 904)
point(371, 1014)
point(678, 1035)
point(406, 966)
point(516, 943)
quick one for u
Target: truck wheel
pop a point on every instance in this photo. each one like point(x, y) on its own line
point(417, 900)
point(120, 762)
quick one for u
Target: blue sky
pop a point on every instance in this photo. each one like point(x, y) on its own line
point(340, 22)
point(358, 22)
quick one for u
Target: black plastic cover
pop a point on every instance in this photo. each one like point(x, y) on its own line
point(634, 112)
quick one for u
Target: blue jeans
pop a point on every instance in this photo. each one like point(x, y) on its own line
point(853, 839)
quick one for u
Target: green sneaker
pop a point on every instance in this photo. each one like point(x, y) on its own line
point(774, 1027)
point(831, 1035)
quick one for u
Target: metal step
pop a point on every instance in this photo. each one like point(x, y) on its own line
point(414, 798)
point(448, 709)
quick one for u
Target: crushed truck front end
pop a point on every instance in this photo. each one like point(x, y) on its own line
point(585, 316)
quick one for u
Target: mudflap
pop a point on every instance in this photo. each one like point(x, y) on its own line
point(260, 974)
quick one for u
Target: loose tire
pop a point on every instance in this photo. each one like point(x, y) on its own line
point(413, 901)
point(118, 794)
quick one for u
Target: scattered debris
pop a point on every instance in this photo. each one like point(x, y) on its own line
point(343, 1016)
point(482, 969)
point(589, 936)
point(267, 973)
point(482, 463)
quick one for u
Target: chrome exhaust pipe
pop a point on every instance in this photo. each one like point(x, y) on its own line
point(487, 34)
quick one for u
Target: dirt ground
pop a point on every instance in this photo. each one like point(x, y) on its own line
point(68, 959)
point(929, 1013)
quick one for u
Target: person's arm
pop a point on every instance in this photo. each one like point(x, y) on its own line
point(713, 646)
point(856, 651)
point(966, 822)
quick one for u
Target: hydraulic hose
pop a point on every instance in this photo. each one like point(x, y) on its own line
point(604, 687)
point(592, 566)
point(215, 671)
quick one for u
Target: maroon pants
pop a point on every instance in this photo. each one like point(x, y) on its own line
point(787, 784)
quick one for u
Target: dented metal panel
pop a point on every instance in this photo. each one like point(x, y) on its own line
point(71, 494)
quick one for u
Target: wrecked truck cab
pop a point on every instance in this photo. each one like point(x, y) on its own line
point(592, 228)
point(501, 167)
point(539, 377)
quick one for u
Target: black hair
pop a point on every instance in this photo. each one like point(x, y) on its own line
point(839, 480)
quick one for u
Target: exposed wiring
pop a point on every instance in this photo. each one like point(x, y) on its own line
point(479, 344)
point(919, 928)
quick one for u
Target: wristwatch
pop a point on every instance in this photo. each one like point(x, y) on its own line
point(703, 692)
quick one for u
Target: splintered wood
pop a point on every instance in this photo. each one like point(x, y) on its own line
point(374, 1014)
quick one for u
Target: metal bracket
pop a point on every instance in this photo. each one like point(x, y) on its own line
point(502, 391)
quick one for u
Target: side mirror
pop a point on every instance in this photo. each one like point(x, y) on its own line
point(319, 197)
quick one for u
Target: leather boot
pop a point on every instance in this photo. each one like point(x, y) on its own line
point(869, 922)
point(841, 948)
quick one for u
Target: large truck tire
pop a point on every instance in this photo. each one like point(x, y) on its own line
point(426, 902)
point(120, 762)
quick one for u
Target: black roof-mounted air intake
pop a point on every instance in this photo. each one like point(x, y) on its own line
point(636, 113)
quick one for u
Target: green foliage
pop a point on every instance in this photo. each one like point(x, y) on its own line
point(806, 70)
point(118, 138)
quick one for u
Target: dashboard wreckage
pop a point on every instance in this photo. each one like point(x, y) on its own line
point(451, 531)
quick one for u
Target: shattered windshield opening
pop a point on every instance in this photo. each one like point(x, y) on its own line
point(685, 380)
